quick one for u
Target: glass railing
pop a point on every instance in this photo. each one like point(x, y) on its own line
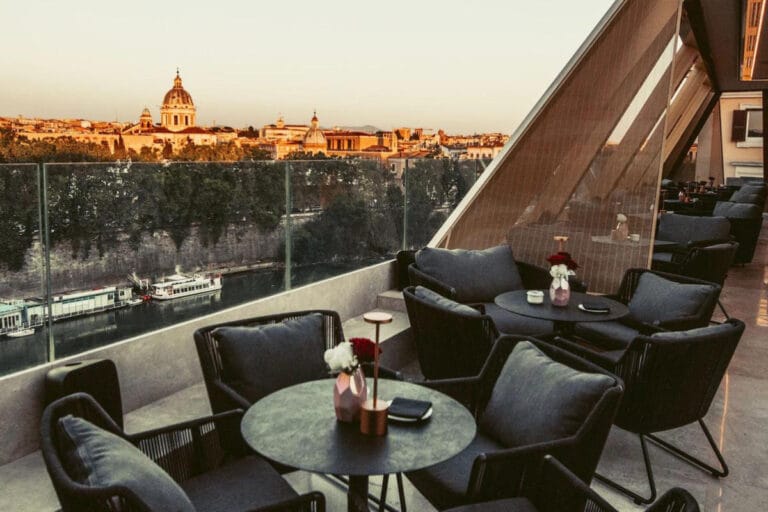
point(133, 247)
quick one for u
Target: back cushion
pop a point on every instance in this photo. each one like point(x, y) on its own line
point(477, 276)
point(442, 302)
point(685, 228)
point(737, 210)
point(711, 330)
point(657, 299)
point(259, 360)
point(97, 458)
point(536, 399)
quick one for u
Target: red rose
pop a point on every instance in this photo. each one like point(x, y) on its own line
point(563, 258)
point(364, 349)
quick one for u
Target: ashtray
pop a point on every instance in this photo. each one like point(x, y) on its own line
point(535, 297)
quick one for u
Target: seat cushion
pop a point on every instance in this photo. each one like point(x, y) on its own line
point(507, 505)
point(97, 458)
point(477, 276)
point(445, 484)
point(259, 360)
point(511, 323)
point(444, 302)
point(244, 484)
point(657, 299)
point(536, 399)
point(607, 335)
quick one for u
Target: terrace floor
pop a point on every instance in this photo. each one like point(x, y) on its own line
point(737, 420)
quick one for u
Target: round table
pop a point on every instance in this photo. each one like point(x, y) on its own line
point(297, 426)
point(562, 316)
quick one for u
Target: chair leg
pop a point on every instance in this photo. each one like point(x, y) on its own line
point(723, 472)
point(640, 500)
point(722, 308)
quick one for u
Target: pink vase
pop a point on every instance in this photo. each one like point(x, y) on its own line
point(559, 291)
point(349, 393)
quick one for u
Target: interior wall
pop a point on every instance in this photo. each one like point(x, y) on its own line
point(731, 152)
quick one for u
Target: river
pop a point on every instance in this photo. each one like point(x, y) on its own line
point(80, 334)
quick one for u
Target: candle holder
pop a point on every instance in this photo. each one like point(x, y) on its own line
point(373, 413)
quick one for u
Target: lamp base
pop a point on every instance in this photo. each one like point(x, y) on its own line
point(373, 422)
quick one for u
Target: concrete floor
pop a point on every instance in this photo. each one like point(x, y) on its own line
point(737, 420)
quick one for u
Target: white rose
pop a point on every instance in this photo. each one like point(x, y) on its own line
point(341, 357)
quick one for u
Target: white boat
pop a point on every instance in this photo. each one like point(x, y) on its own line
point(19, 333)
point(179, 285)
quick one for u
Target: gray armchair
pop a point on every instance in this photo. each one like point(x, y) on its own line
point(478, 276)
point(188, 467)
point(530, 399)
point(657, 301)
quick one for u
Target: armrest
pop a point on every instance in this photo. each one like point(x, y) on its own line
point(384, 372)
point(418, 277)
point(233, 399)
point(195, 446)
point(462, 389)
point(533, 276)
point(557, 488)
point(314, 501)
point(604, 358)
point(508, 469)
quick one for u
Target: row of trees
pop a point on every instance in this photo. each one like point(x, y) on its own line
point(357, 206)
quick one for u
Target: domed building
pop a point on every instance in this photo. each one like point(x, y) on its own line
point(178, 110)
point(314, 140)
point(145, 121)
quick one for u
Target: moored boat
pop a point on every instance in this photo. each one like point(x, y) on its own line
point(179, 285)
point(20, 333)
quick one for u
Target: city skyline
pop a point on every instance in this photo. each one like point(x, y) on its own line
point(453, 66)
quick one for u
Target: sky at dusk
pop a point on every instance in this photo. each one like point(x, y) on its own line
point(461, 66)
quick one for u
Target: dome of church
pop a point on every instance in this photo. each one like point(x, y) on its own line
point(314, 137)
point(178, 95)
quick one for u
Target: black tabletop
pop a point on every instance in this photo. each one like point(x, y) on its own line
point(517, 302)
point(297, 426)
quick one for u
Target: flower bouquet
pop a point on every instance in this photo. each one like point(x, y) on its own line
point(350, 390)
point(562, 267)
point(621, 232)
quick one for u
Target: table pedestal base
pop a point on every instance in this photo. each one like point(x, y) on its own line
point(357, 494)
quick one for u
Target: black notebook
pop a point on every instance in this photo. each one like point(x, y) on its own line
point(408, 408)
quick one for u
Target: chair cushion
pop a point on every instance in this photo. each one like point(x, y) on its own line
point(710, 330)
point(444, 302)
point(733, 210)
point(511, 323)
point(244, 484)
point(261, 359)
point(685, 228)
point(536, 399)
point(97, 458)
point(507, 505)
point(665, 257)
point(657, 299)
point(477, 276)
point(445, 484)
point(749, 194)
point(608, 335)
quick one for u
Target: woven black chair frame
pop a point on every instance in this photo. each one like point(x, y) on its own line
point(668, 384)
point(700, 319)
point(553, 488)
point(448, 343)
point(222, 396)
point(533, 277)
point(500, 474)
point(705, 262)
point(183, 450)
